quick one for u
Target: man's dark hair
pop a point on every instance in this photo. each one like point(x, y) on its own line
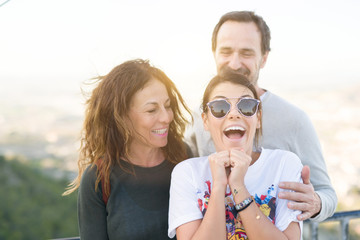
point(245, 16)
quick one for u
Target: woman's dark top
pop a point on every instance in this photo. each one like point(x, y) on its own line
point(137, 207)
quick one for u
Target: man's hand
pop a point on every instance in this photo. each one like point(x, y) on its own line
point(304, 198)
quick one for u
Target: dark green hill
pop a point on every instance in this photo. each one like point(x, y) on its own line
point(31, 205)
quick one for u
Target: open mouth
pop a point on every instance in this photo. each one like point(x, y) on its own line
point(234, 132)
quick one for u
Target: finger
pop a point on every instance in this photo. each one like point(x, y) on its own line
point(237, 151)
point(220, 157)
point(295, 196)
point(296, 186)
point(301, 206)
point(220, 154)
point(303, 216)
point(227, 163)
point(224, 155)
point(307, 210)
point(236, 154)
point(305, 174)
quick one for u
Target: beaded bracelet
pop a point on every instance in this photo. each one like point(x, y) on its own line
point(244, 204)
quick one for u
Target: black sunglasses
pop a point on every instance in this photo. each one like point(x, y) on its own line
point(219, 108)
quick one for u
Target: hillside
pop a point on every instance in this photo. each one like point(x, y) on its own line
point(31, 204)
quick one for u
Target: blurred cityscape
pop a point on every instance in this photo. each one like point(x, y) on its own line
point(42, 126)
point(46, 129)
point(335, 113)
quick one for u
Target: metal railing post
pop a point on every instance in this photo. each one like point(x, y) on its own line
point(314, 230)
point(342, 217)
point(345, 228)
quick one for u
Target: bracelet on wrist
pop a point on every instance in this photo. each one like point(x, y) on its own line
point(244, 204)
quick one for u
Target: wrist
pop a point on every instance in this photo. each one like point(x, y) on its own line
point(240, 193)
point(244, 204)
point(237, 189)
point(219, 182)
point(218, 187)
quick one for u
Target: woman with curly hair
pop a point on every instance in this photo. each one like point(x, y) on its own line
point(132, 138)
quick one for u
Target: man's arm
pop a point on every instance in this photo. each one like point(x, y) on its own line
point(315, 197)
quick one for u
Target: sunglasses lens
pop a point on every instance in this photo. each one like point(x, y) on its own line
point(247, 107)
point(219, 108)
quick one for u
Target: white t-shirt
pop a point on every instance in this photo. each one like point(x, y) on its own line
point(191, 184)
point(286, 127)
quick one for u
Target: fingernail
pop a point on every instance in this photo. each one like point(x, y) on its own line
point(281, 195)
point(281, 184)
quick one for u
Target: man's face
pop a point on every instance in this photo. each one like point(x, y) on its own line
point(239, 48)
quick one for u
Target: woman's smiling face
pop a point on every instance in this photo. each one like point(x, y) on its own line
point(150, 115)
point(234, 130)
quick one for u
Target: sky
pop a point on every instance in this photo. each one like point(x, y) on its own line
point(49, 47)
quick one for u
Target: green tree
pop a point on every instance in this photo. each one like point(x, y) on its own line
point(31, 204)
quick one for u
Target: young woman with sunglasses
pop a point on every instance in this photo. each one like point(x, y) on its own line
point(131, 141)
point(232, 194)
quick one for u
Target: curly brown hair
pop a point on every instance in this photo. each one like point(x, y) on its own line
point(105, 135)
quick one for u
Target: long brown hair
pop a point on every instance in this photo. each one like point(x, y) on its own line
point(105, 135)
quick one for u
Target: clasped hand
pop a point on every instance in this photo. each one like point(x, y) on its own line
point(229, 167)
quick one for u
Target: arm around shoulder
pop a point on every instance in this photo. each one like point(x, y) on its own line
point(308, 149)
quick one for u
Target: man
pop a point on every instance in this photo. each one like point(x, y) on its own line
point(241, 42)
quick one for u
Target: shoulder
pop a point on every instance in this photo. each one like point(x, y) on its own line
point(191, 165)
point(273, 101)
point(87, 184)
point(89, 175)
point(197, 162)
point(274, 108)
point(283, 157)
point(283, 164)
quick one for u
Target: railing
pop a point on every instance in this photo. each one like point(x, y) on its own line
point(71, 238)
point(342, 217)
